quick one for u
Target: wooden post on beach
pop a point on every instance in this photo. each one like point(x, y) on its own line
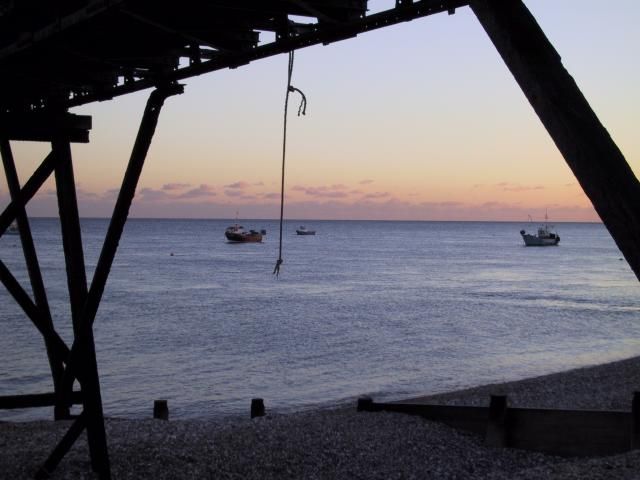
point(635, 421)
point(161, 410)
point(365, 404)
point(257, 407)
point(496, 435)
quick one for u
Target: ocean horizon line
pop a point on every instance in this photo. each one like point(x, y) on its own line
point(53, 217)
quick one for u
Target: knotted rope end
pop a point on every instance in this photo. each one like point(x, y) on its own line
point(276, 270)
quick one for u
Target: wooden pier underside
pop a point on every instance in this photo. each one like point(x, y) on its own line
point(58, 55)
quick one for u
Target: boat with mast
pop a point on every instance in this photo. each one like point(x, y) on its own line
point(544, 237)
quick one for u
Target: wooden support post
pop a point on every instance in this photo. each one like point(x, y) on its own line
point(119, 217)
point(70, 226)
point(62, 448)
point(497, 422)
point(594, 158)
point(161, 410)
point(33, 268)
point(365, 404)
point(257, 407)
point(83, 340)
point(635, 421)
point(77, 285)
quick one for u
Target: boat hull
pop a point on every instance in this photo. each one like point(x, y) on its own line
point(235, 237)
point(534, 241)
point(302, 232)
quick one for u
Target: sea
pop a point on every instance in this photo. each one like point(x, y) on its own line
point(380, 308)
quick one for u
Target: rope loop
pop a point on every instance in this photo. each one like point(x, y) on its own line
point(301, 110)
point(303, 101)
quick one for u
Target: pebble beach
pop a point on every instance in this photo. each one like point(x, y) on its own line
point(338, 442)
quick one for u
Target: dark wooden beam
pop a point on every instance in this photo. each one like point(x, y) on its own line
point(320, 34)
point(70, 227)
point(83, 342)
point(594, 158)
point(59, 349)
point(35, 400)
point(575, 433)
point(28, 191)
point(44, 127)
point(30, 38)
point(63, 447)
point(33, 268)
point(121, 210)
point(77, 284)
point(123, 203)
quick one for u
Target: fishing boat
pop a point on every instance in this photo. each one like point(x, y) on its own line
point(237, 234)
point(305, 231)
point(13, 228)
point(543, 238)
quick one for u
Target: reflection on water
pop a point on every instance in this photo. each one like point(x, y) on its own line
point(391, 309)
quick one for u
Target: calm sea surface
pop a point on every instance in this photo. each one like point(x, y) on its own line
point(389, 309)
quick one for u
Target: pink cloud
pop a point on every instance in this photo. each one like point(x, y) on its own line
point(241, 185)
point(441, 204)
point(333, 191)
point(150, 194)
point(375, 195)
point(85, 194)
point(175, 186)
point(514, 187)
point(159, 203)
point(201, 191)
point(233, 193)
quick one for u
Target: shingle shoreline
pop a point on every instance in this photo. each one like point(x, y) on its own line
point(338, 442)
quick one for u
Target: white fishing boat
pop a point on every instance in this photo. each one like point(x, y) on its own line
point(545, 236)
point(13, 229)
point(305, 231)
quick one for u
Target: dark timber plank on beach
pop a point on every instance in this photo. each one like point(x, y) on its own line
point(578, 433)
point(569, 432)
point(468, 418)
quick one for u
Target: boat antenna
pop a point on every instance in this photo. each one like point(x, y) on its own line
point(302, 109)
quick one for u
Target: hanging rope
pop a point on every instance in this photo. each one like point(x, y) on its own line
point(302, 109)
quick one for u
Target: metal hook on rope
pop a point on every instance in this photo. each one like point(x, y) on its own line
point(301, 109)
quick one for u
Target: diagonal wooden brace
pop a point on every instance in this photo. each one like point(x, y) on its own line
point(33, 267)
point(594, 158)
point(28, 191)
point(82, 355)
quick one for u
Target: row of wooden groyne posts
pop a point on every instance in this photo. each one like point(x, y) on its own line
point(579, 433)
point(553, 431)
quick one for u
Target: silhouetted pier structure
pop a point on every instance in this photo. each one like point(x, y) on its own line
point(58, 55)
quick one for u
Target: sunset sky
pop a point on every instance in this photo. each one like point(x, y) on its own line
point(419, 121)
